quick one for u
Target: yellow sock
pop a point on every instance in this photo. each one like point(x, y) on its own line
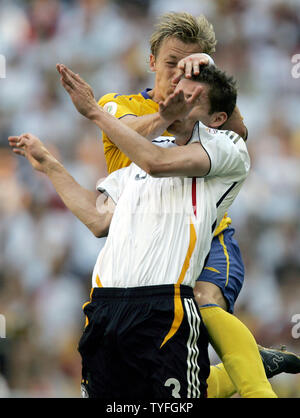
point(219, 383)
point(237, 348)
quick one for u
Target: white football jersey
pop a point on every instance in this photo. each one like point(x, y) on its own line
point(162, 228)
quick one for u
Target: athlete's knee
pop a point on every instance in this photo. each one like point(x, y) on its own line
point(206, 293)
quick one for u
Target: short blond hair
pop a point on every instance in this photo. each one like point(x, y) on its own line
point(186, 28)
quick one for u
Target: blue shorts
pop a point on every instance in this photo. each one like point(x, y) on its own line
point(224, 266)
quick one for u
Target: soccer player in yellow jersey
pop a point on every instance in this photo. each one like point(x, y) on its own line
point(180, 44)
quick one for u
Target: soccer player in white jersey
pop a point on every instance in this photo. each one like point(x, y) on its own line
point(144, 337)
point(176, 47)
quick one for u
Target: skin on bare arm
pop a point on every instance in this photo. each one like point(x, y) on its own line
point(149, 126)
point(95, 211)
point(153, 125)
point(80, 92)
point(174, 107)
point(169, 74)
point(156, 161)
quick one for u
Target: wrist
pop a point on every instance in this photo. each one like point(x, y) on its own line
point(163, 122)
point(95, 113)
point(50, 164)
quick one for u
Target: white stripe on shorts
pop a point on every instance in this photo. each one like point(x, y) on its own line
point(193, 389)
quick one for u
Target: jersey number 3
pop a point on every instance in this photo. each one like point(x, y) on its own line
point(176, 387)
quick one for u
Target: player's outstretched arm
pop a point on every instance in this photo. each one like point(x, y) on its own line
point(153, 125)
point(149, 126)
point(156, 161)
point(83, 203)
point(81, 94)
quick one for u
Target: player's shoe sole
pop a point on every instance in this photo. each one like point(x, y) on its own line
point(278, 361)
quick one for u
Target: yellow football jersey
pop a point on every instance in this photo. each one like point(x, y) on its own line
point(120, 105)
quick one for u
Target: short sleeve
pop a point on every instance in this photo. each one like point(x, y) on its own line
point(117, 105)
point(114, 184)
point(227, 151)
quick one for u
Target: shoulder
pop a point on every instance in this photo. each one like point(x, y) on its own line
point(216, 137)
point(116, 177)
point(121, 104)
point(226, 149)
point(120, 98)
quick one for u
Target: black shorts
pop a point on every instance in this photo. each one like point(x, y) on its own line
point(144, 343)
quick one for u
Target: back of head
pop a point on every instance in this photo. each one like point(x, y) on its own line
point(222, 92)
point(186, 28)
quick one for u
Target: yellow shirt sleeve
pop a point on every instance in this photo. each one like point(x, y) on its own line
point(120, 106)
point(116, 106)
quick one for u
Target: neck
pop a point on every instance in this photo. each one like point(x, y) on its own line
point(181, 141)
point(151, 94)
point(156, 97)
point(181, 138)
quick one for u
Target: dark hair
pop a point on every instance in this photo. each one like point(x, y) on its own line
point(222, 93)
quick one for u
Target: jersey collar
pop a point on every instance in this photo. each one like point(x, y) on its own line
point(145, 94)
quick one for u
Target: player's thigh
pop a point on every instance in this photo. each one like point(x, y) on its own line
point(207, 293)
point(222, 277)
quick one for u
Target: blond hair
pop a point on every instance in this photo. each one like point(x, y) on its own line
point(186, 28)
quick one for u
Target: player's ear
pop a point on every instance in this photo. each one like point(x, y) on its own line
point(218, 119)
point(152, 63)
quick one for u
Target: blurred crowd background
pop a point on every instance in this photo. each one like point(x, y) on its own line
point(47, 256)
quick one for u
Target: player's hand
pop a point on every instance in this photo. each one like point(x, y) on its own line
point(33, 149)
point(190, 65)
point(80, 92)
point(177, 107)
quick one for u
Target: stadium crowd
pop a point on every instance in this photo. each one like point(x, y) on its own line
point(47, 256)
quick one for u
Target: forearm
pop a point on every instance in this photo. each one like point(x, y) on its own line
point(80, 201)
point(137, 148)
point(190, 160)
point(149, 126)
